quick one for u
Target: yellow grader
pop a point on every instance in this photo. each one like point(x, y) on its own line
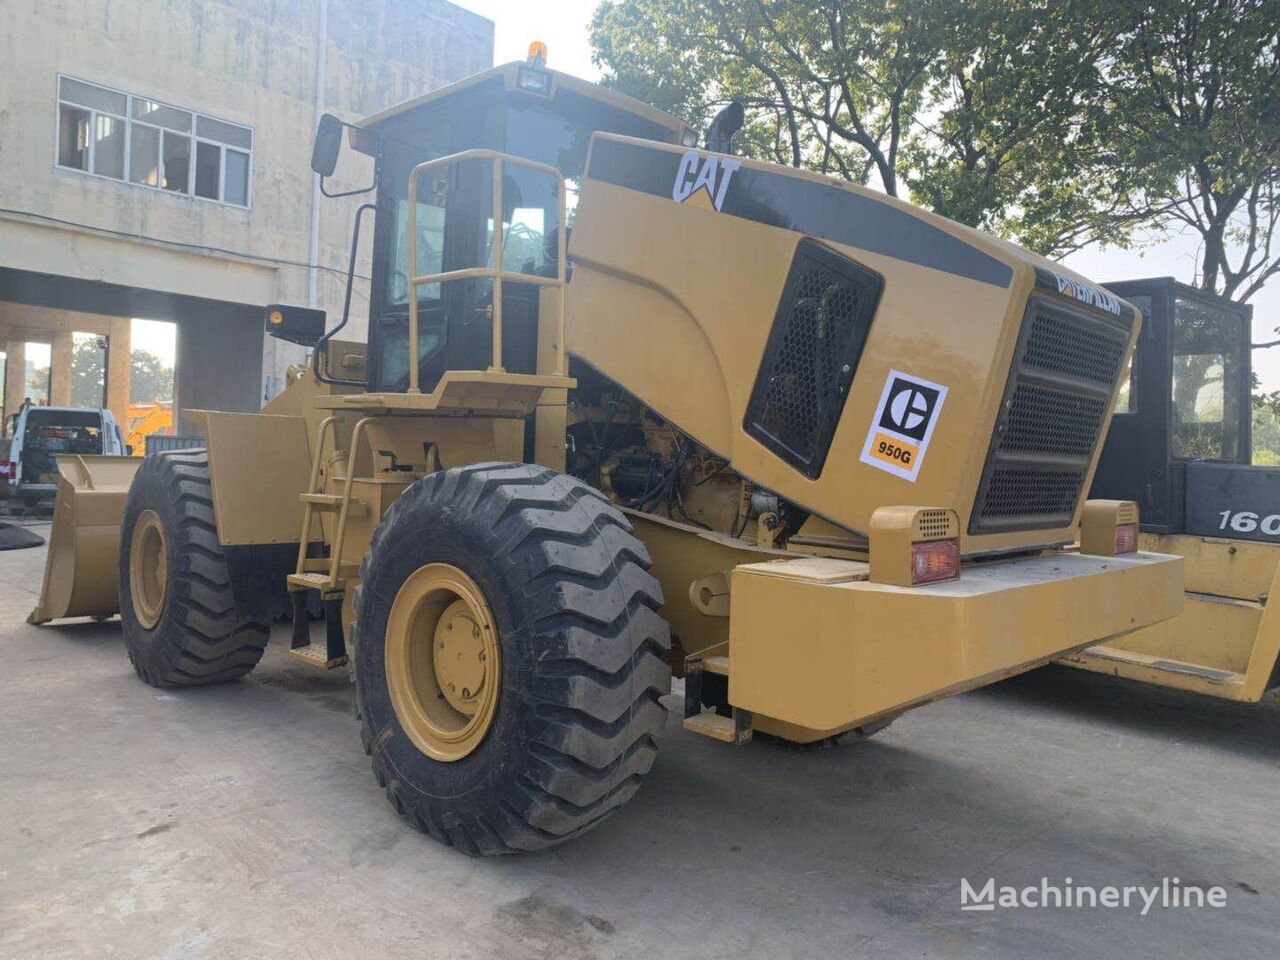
point(1180, 445)
point(629, 407)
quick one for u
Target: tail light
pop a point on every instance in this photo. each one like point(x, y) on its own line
point(1109, 528)
point(6, 469)
point(910, 546)
point(935, 560)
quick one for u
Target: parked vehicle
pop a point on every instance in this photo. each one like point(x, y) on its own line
point(41, 433)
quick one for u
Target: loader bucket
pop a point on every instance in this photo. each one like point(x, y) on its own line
point(81, 573)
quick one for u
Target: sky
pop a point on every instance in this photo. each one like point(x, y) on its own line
point(560, 24)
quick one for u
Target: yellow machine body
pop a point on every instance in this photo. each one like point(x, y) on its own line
point(81, 573)
point(679, 306)
point(767, 553)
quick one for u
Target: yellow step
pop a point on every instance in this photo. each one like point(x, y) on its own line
point(317, 655)
point(313, 581)
point(333, 501)
point(717, 665)
point(724, 729)
point(316, 577)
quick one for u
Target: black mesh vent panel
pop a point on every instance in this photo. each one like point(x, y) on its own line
point(1020, 494)
point(1055, 403)
point(1046, 420)
point(1056, 344)
point(818, 333)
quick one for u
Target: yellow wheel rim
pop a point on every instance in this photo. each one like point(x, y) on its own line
point(443, 661)
point(148, 568)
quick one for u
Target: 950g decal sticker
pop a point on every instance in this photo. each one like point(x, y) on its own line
point(903, 425)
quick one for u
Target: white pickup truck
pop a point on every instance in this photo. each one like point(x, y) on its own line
point(28, 470)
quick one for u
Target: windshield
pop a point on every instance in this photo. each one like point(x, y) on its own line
point(558, 137)
point(51, 432)
point(1208, 365)
point(63, 431)
point(455, 227)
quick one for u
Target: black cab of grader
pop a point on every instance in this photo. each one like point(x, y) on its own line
point(1180, 439)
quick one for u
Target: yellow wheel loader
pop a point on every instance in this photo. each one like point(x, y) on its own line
point(629, 407)
point(1180, 444)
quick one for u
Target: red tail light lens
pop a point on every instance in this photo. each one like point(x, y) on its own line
point(1126, 538)
point(934, 561)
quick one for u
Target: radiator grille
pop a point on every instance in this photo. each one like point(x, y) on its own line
point(818, 333)
point(1021, 494)
point(1055, 344)
point(1049, 420)
point(1065, 367)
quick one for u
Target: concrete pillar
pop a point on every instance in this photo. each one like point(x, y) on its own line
point(15, 369)
point(61, 355)
point(119, 369)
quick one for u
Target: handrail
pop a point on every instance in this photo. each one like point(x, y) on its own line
point(340, 531)
point(308, 513)
point(496, 273)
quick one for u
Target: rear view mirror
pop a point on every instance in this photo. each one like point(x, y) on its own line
point(324, 152)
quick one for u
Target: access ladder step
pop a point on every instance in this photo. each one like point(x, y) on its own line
point(328, 653)
point(333, 502)
point(317, 654)
point(717, 665)
point(735, 729)
point(314, 581)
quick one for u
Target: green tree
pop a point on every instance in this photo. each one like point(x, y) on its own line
point(87, 372)
point(1018, 122)
point(150, 381)
point(988, 111)
point(1194, 112)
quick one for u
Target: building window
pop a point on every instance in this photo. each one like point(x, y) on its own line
point(117, 135)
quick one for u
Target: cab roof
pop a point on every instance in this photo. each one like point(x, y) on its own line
point(364, 136)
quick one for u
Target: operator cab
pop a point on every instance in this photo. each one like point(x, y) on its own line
point(522, 110)
point(1180, 438)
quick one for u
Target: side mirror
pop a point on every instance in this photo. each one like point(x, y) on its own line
point(324, 152)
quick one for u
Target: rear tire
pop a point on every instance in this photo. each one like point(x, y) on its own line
point(183, 628)
point(579, 637)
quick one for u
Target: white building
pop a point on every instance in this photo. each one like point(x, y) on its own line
point(154, 162)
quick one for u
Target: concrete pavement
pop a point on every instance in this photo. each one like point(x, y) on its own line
point(243, 821)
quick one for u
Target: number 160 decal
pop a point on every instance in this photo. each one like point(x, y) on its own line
point(1245, 521)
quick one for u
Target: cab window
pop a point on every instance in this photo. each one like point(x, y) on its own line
point(1127, 397)
point(1206, 383)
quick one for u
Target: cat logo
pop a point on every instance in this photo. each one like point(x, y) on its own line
point(903, 425)
point(703, 181)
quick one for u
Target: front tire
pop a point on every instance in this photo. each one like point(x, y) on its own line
point(541, 570)
point(182, 625)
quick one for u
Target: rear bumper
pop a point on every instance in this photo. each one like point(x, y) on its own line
point(814, 644)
